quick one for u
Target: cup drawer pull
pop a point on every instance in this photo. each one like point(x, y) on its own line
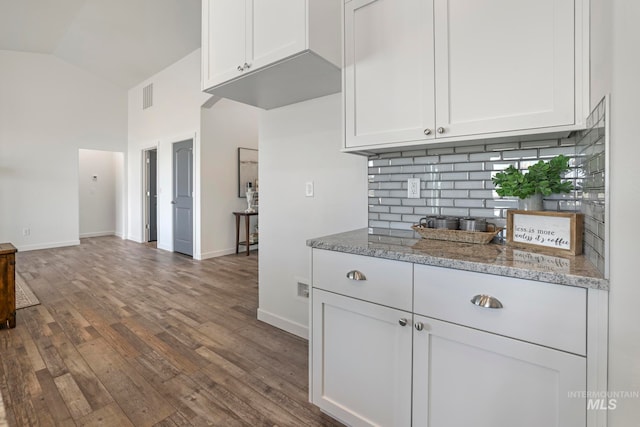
point(486, 301)
point(356, 275)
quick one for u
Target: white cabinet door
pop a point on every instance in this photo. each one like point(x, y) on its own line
point(278, 31)
point(464, 377)
point(389, 71)
point(503, 65)
point(361, 361)
point(224, 27)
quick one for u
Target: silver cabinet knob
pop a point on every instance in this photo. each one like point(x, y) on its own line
point(419, 326)
point(240, 68)
point(173, 202)
point(441, 130)
point(427, 131)
point(246, 66)
point(402, 322)
point(486, 301)
point(356, 275)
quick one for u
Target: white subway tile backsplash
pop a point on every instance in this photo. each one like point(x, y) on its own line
point(469, 203)
point(459, 212)
point(438, 151)
point(414, 169)
point(457, 182)
point(454, 176)
point(469, 166)
point(520, 154)
point(414, 202)
point(454, 158)
point(503, 146)
point(483, 194)
point(454, 194)
point(401, 161)
point(400, 209)
point(468, 185)
point(439, 168)
point(426, 160)
point(414, 153)
point(552, 152)
point(427, 211)
point(591, 159)
point(485, 156)
point(440, 185)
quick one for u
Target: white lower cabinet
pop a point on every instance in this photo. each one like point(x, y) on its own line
point(374, 365)
point(464, 377)
point(361, 361)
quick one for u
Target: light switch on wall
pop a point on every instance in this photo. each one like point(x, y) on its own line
point(413, 188)
point(308, 189)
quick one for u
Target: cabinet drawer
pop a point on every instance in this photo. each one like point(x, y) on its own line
point(541, 313)
point(387, 282)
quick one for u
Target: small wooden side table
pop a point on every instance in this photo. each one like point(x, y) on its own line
point(247, 216)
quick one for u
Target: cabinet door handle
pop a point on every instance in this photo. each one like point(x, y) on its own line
point(356, 275)
point(246, 66)
point(486, 301)
point(402, 322)
point(427, 131)
point(240, 68)
point(441, 130)
point(419, 326)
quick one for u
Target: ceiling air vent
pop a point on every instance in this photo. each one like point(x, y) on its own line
point(147, 96)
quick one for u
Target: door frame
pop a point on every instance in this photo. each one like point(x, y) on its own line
point(146, 211)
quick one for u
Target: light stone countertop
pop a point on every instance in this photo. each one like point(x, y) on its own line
point(501, 260)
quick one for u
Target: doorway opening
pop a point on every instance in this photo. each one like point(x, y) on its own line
point(150, 190)
point(101, 197)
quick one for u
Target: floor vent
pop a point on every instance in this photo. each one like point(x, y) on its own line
point(147, 96)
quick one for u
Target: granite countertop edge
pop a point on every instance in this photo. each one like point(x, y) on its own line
point(560, 278)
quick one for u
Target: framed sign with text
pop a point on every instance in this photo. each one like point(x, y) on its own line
point(557, 232)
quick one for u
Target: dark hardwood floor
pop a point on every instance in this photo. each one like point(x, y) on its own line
point(130, 335)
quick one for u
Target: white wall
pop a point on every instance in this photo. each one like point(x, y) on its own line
point(624, 315)
point(300, 143)
point(226, 126)
point(174, 117)
point(50, 109)
point(97, 196)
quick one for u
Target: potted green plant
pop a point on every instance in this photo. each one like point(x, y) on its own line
point(541, 179)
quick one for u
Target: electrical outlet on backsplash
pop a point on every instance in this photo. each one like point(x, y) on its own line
point(456, 181)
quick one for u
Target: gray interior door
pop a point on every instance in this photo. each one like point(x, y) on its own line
point(153, 195)
point(183, 197)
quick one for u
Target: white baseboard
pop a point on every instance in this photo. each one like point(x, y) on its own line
point(98, 234)
point(134, 239)
point(120, 235)
point(163, 247)
point(215, 254)
point(285, 324)
point(51, 245)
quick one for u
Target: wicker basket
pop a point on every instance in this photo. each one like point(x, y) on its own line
point(481, 238)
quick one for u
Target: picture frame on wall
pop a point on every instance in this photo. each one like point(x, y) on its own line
point(247, 170)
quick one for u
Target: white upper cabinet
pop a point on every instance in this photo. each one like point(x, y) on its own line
point(226, 40)
point(278, 31)
point(270, 54)
point(388, 75)
point(450, 70)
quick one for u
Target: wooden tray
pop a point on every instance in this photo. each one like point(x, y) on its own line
point(481, 238)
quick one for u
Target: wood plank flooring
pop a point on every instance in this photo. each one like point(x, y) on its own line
point(130, 335)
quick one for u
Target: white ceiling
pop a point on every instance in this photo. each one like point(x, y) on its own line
point(123, 41)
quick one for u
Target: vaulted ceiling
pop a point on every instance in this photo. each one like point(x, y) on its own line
point(123, 41)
